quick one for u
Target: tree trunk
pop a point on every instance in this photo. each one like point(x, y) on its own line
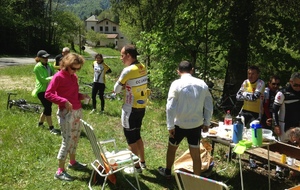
point(236, 71)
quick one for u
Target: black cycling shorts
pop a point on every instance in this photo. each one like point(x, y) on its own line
point(193, 136)
point(133, 134)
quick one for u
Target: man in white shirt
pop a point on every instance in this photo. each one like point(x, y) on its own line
point(189, 109)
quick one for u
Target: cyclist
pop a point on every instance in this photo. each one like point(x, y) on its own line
point(133, 80)
point(269, 96)
point(251, 92)
point(100, 69)
point(43, 74)
point(59, 57)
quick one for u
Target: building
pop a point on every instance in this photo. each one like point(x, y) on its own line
point(108, 27)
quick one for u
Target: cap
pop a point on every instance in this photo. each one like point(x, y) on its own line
point(43, 53)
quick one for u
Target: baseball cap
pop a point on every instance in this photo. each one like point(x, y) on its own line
point(43, 53)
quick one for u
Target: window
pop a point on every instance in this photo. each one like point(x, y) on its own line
point(114, 28)
point(101, 28)
point(106, 28)
point(122, 37)
point(106, 22)
point(92, 28)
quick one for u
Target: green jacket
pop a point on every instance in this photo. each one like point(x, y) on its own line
point(42, 77)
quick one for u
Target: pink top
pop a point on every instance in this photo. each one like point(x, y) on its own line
point(64, 87)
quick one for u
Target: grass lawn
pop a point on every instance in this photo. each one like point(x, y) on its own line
point(28, 153)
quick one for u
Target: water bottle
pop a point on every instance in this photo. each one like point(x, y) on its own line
point(228, 119)
point(256, 133)
point(237, 133)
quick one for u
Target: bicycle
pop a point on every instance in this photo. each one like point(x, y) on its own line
point(226, 100)
point(112, 96)
point(23, 104)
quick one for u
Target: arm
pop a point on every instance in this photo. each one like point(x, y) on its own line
point(266, 103)
point(239, 94)
point(171, 107)
point(39, 72)
point(208, 109)
point(279, 98)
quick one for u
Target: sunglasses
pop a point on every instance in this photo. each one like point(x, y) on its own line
point(75, 69)
point(275, 84)
point(296, 85)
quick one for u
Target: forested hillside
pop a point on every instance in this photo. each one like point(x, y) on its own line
point(85, 8)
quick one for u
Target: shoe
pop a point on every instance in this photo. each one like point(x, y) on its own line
point(41, 126)
point(93, 110)
point(55, 131)
point(143, 165)
point(162, 171)
point(252, 163)
point(78, 166)
point(63, 176)
point(138, 170)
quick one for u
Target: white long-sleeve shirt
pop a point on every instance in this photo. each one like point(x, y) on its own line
point(189, 103)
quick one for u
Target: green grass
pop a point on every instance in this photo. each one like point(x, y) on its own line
point(28, 153)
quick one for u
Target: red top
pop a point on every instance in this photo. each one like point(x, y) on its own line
point(64, 87)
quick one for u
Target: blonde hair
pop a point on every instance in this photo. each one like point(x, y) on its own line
point(71, 59)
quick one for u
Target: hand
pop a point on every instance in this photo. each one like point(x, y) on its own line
point(86, 96)
point(277, 130)
point(69, 106)
point(269, 122)
point(205, 128)
point(171, 133)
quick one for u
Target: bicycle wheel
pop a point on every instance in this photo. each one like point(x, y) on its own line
point(31, 107)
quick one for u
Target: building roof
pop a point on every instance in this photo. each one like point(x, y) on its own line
point(111, 36)
point(92, 18)
point(107, 20)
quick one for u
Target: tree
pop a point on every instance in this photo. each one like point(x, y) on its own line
point(95, 37)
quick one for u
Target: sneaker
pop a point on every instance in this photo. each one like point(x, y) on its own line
point(162, 171)
point(55, 131)
point(138, 170)
point(143, 165)
point(78, 166)
point(93, 110)
point(63, 176)
point(252, 163)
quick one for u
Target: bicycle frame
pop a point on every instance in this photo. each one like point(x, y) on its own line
point(22, 104)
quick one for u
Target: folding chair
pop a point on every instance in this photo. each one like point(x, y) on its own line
point(124, 159)
point(188, 181)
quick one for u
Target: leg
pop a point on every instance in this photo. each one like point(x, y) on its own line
point(195, 154)
point(101, 95)
point(170, 155)
point(94, 93)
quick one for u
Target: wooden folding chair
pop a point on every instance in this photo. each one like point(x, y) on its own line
point(188, 181)
point(124, 159)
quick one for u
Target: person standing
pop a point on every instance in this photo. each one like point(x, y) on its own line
point(269, 96)
point(100, 69)
point(133, 80)
point(59, 57)
point(189, 108)
point(63, 90)
point(286, 112)
point(251, 92)
point(43, 74)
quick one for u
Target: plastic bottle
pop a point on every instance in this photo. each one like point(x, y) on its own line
point(256, 133)
point(228, 119)
point(237, 133)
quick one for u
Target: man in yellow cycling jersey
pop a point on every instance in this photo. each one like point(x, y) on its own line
point(252, 92)
point(133, 80)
